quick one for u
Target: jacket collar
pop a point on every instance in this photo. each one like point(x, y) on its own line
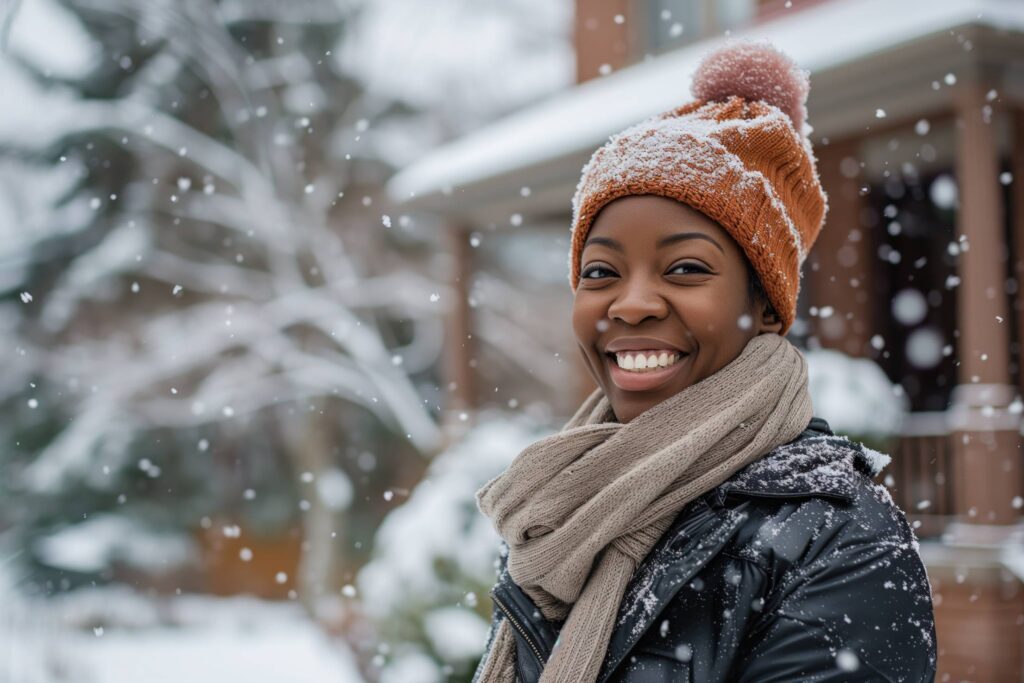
point(816, 463)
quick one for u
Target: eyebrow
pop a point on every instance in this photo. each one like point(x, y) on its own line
point(663, 242)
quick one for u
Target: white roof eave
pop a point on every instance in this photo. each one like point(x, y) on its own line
point(461, 175)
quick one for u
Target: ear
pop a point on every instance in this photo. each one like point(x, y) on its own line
point(770, 321)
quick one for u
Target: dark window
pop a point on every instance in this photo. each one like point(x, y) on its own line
point(915, 283)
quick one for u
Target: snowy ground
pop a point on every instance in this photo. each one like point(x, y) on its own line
point(113, 636)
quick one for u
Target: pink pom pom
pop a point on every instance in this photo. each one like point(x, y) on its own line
point(754, 71)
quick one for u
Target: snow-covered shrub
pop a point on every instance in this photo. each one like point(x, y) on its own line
point(104, 539)
point(427, 585)
point(855, 397)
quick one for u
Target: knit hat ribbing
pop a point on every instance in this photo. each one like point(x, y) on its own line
point(734, 154)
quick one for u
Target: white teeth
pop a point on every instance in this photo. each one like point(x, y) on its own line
point(639, 362)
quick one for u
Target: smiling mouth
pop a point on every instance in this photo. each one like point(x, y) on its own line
point(646, 361)
point(645, 379)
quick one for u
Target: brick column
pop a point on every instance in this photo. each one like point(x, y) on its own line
point(985, 434)
point(601, 40)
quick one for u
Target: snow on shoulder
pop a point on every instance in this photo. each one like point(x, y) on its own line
point(820, 464)
point(830, 465)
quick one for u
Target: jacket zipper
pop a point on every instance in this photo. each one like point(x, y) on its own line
point(779, 494)
point(518, 627)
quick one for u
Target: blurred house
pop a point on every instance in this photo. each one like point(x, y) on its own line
point(918, 115)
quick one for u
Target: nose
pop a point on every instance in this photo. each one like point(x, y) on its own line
point(637, 301)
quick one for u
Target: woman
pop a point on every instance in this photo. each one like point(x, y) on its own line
point(694, 521)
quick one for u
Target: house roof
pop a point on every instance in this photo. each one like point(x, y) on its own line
point(863, 55)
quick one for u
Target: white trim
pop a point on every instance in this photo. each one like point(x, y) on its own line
point(580, 119)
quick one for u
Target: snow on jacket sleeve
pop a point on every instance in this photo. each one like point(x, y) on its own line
point(860, 610)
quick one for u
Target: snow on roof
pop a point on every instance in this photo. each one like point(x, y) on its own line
point(818, 39)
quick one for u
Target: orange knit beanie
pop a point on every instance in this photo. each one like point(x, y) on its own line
point(739, 154)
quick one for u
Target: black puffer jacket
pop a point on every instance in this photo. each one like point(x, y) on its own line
point(797, 568)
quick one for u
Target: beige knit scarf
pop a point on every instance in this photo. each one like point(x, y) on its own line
point(581, 508)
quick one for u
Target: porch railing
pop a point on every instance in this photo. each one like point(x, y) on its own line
point(920, 477)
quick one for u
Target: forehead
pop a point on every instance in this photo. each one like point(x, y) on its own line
point(638, 218)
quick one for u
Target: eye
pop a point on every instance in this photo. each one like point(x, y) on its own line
point(694, 268)
point(594, 269)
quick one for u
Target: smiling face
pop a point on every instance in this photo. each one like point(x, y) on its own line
point(660, 277)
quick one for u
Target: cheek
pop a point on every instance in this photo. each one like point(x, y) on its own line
point(584, 320)
point(711, 306)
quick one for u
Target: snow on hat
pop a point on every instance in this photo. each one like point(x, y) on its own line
point(739, 153)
